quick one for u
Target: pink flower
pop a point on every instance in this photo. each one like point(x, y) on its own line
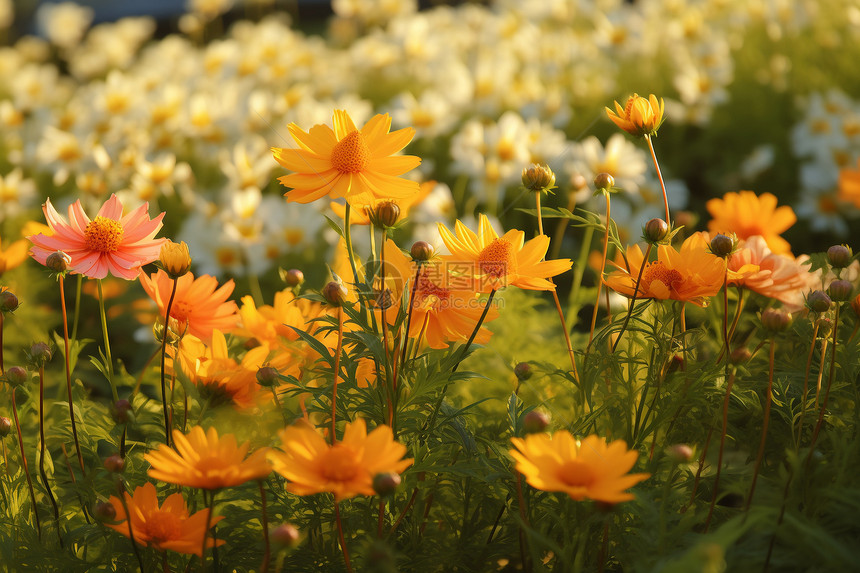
point(109, 243)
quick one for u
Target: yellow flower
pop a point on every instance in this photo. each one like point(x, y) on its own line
point(175, 259)
point(849, 185)
point(204, 461)
point(358, 165)
point(345, 468)
point(14, 255)
point(165, 527)
point(746, 214)
point(495, 262)
point(589, 468)
point(639, 116)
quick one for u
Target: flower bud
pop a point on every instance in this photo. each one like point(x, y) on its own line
point(680, 453)
point(175, 259)
point(523, 371)
point(840, 290)
point(855, 305)
point(776, 319)
point(604, 181)
point(538, 177)
point(655, 230)
point(741, 354)
point(839, 256)
point(8, 301)
point(384, 215)
point(722, 246)
point(422, 251)
point(268, 376)
point(122, 412)
point(58, 262)
point(385, 484)
point(114, 464)
point(40, 353)
point(104, 512)
point(5, 426)
point(535, 422)
point(825, 327)
point(818, 301)
point(16, 375)
point(284, 536)
point(293, 277)
point(335, 293)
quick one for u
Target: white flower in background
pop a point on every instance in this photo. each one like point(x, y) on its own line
point(108, 46)
point(290, 228)
point(821, 131)
point(373, 12)
point(621, 158)
point(757, 162)
point(249, 166)
point(16, 193)
point(64, 24)
point(430, 113)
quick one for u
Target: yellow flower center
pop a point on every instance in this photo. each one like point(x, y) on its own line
point(657, 271)
point(339, 463)
point(576, 473)
point(497, 259)
point(351, 154)
point(103, 234)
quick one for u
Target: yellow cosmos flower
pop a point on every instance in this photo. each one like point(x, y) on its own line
point(494, 262)
point(13, 255)
point(203, 460)
point(346, 468)
point(747, 214)
point(639, 116)
point(175, 259)
point(692, 274)
point(345, 162)
point(361, 215)
point(586, 469)
point(166, 527)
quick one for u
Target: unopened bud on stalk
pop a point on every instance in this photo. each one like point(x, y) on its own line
point(422, 251)
point(5, 426)
point(384, 215)
point(818, 301)
point(121, 412)
point(604, 182)
point(741, 354)
point(722, 246)
point(655, 230)
point(8, 301)
point(293, 277)
point(839, 256)
point(680, 453)
point(40, 353)
point(538, 177)
point(386, 483)
point(776, 319)
point(523, 371)
point(16, 375)
point(825, 327)
point(840, 290)
point(58, 262)
point(284, 536)
point(175, 259)
point(335, 293)
point(114, 464)
point(267, 376)
point(535, 422)
point(104, 512)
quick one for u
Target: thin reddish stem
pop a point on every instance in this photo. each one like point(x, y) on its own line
point(62, 280)
point(660, 177)
point(336, 374)
point(767, 403)
point(24, 464)
point(341, 538)
point(164, 334)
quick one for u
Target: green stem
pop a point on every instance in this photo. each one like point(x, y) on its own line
point(62, 280)
point(77, 307)
point(633, 299)
point(103, 317)
point(42, 447)
point(24, 464)
point(165, 333)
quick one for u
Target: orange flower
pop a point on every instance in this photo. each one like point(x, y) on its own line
point(270, 325)
point(165, 527)
point(109, 243)
point(13, 255)
point(440, 313)
point(197, 307)
point(204, 461)
point(777, 276)
point(360, 215)
point(746, 214)
point(349, 163)
point(691, 275)
point(582, 469)
point(496, 262)
point(849, 185)
point(639, 116)
point(346, 468)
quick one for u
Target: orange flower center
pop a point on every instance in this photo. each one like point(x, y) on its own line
point(429, 295)
point(576, 473)
point(351, 154)
point(497, 259)
point(180, 310)
point(339, 463)
point(163, 526)
point(103, 234)
point(657, 271)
